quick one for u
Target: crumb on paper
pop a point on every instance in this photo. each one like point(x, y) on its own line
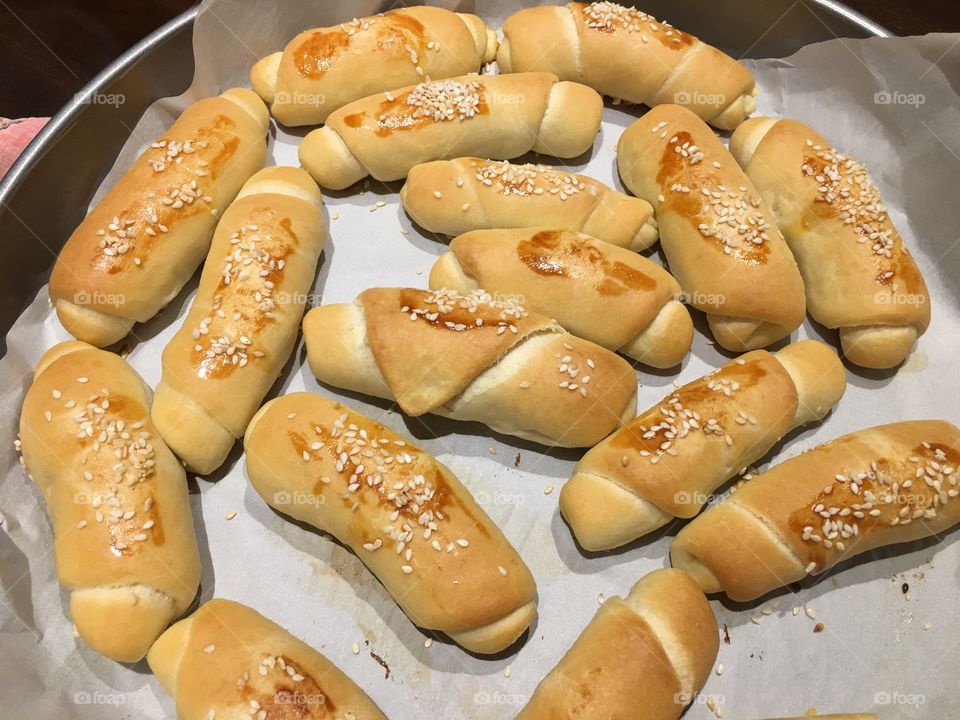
point(230, 515)
point(548, 489)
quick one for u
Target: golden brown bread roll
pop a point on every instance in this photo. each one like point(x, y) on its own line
point(244, 319)
point(628, 54)
point(140, 244)
point(472, 357)
point(323, 69)
point(668, 461)
point(478, 194)
point(880, 486)
point(859, 275)
point(496, 116)
point(229, 661)
point(720, 238)
point(597, 291)
point(406, 516)
point(643, 656)
point(117, 497)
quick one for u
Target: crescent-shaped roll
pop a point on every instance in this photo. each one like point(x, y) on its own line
point(245, 317)
point(642, 656)
point(496, 116)
point(859, 276)
point(669, 460)
point(323, 69)
point(600, 292)
point(140, 244)
point(123, 537)
point(472, 357)
point(407, 517)
point(228, 661)
point(628, 54)
point(876, 487)
point(478, 194)
point(719, 236)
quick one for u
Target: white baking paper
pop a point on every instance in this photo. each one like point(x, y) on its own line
point(892, 103)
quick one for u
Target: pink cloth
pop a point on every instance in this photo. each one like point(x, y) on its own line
point(14, 137)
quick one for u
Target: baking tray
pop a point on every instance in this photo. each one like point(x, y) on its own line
point(46, 193)
point(42, 203)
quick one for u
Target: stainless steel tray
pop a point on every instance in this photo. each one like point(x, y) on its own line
point(47, 191)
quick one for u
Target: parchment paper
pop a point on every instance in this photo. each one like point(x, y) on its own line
point(891, 103)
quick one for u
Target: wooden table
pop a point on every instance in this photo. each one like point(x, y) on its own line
point(50, 48)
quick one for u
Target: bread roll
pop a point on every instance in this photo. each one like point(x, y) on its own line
point(117, 498)
point(597, 291)
point(227, 660)
point(876, 487)
point(627, 54)
point(323, 69)
point(472, 357)
point(480, 194)
point(406, 516)
point(719, 236)
point(496, 116)
point(859, 276)
point(643, 656)
point(245, 317)
point(668, 461)
point(140, 244)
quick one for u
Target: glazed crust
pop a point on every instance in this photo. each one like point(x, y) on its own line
point(124, 543)
point(244, 320)
point(323, 69)
point(496, 116)
point(479, 194)
point(627, 54)
point(226, 656)
point(669, 461)
point(719, 236)
point(858, 273)
point(597, 291)
point(157, 221)
point(645, 655)
point(504, 371)
point(448, 580)
point(880, 486)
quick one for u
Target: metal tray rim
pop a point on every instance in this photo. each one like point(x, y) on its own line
point(19, 172)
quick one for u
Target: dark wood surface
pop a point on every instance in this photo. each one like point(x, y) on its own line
point(50, 48)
